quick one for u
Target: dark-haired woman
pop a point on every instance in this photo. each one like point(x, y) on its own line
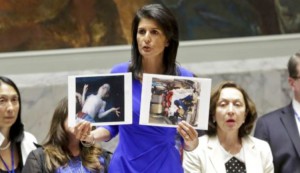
point(15, 143)
point(144, 148)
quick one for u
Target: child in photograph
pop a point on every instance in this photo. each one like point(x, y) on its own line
point(93, 106)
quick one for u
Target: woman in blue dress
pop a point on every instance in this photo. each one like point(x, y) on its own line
point(147, 149)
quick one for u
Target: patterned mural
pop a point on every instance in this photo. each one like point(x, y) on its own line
point(56, 24)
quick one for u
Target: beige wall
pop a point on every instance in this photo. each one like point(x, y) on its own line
point(189, 52)
point(258, 64)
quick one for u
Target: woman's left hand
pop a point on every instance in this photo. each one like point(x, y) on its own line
point(189, 134)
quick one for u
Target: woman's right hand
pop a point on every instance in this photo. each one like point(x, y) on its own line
point(83, 130)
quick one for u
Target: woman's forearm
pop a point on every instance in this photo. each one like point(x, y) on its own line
point(100, 134)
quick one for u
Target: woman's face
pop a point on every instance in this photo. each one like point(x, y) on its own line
point(151, 39)
point(230, 110)
point(9, 105)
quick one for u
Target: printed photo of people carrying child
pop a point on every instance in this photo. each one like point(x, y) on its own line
point(167, 100)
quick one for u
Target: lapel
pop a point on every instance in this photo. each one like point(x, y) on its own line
point(288, 120)
point(215, 155)
point(252, 156)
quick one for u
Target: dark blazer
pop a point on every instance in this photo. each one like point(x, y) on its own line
point(280, 130)
point(35, 162)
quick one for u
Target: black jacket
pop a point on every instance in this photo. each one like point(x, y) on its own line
point(35, 162)
point(280, 130)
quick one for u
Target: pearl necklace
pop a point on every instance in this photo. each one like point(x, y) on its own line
point(6, 147)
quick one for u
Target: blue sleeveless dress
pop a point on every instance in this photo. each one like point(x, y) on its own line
point(144, 149)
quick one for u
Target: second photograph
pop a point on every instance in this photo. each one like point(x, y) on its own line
point(167, 100)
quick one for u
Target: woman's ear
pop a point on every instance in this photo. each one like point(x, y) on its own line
point(291, 82)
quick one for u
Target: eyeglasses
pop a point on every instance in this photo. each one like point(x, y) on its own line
point(296, 77)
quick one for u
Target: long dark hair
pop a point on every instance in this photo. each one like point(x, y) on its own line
point(16, 132)
point(166, 20)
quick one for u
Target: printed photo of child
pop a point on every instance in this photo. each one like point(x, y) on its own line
point(99, 99)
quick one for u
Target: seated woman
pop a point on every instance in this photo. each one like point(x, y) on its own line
point(227, 141)
point(15, 144)
point(62, 152)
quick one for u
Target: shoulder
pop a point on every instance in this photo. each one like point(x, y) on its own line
point(259, 144)
point(120, 68)
point(92, 96)
point(184, 72)
point(36, 153)
point(276, 113)
point(262, 148)
point(34, 161)
point(28, 144)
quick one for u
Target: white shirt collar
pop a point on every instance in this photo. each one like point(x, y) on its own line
point(296, 106)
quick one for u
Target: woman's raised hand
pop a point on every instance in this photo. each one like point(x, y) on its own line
point(83, 130)
point(189, 134)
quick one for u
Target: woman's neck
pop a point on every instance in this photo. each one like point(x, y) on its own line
point(153, 66)
point(230, 142)
point(74, 146)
